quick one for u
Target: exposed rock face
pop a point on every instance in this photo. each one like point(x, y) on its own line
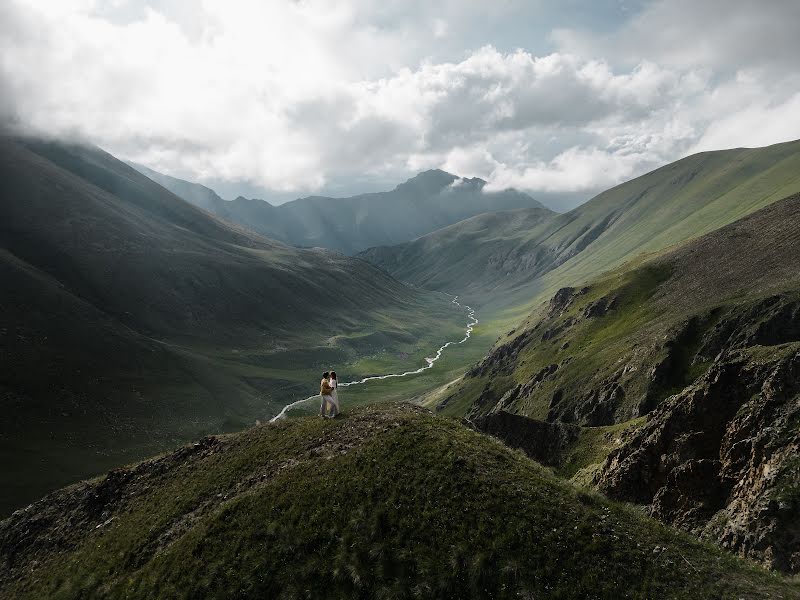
point(769, 322)
point(542, 441)
point(596, 407)
point(502, 360)
point(560, 301)
point(722, 458)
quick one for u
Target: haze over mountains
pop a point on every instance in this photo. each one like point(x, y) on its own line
point(429, 201)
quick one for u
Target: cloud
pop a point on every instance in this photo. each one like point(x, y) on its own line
point(301, 96)
point(717, 34)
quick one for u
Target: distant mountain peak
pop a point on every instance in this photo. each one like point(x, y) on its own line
point(430, 181)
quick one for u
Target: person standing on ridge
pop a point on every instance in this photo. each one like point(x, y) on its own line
point(334, 383)
point(325, 390)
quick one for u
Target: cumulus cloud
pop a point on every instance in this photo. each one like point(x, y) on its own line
point(298, 95)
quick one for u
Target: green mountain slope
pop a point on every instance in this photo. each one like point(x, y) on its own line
point(475, 256)
point(704, 340)
point(389, 501)
point(131, 320)
point(429, 201)
point(677, 202)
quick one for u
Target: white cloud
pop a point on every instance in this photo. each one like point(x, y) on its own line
point(289, 95)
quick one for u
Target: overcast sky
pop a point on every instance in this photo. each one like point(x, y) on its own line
point(280, 98)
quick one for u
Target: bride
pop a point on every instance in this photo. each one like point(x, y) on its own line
point(334, 395)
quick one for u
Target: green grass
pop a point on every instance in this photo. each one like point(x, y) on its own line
point(594, 346)
point(592, 447)
point(427, 387)
point(385, 502)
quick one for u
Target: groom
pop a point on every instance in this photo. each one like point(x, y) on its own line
point(325, 390)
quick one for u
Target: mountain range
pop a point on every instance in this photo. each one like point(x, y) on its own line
point(426, 202)
point(511, 257)
point(644, 347)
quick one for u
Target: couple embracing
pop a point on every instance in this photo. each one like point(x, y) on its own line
point(329, 395)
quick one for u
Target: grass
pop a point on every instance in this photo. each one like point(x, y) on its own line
point(387, 502)
point(451, 366)
point(661, 333)
point(592, 447)
point(588, 352)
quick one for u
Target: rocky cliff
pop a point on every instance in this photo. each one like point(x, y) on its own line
point(721, 457)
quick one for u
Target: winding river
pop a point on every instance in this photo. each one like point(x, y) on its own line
point(429, 364)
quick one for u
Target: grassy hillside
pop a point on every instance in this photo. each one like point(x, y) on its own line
point(679, 201)
point(386, 502)
point(611, 350)
point(475, 256)
point(703, 340)
point(132, 320)
point(427, 202)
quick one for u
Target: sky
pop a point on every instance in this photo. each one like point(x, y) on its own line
point(278, 99)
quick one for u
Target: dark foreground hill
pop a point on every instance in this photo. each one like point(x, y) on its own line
point(132, 320)
point(493, 260)
point(386, 502)
point(429, 201)
point(705, 341)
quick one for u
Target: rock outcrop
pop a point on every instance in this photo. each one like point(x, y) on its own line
point(542, 441)
point(721, 458)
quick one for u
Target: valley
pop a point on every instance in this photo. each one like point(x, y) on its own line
point(399, 301)
point(652, 365)
point(133, 322)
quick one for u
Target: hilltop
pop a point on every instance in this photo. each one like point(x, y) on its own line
point(389, 501)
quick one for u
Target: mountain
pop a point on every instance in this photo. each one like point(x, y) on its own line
point(132, 320)
point(194, 193)
point(703, 341)
point(475, 256)
point(390, 501)
point(429, 201)
point(674, 203)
